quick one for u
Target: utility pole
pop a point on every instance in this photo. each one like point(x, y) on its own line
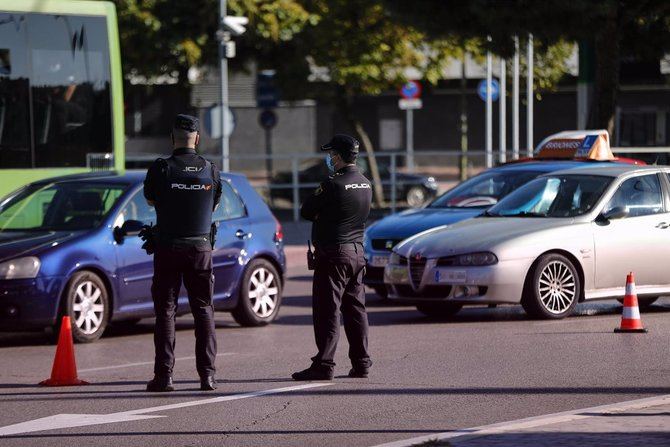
point(489, 111)
point(502, 156)
point(228, 26)
point(515, 101)
point(464, 122)
point(224, 37)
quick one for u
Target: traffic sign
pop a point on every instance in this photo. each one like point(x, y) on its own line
point(495, 90)
point(213, 121)
point(267, 119)
point(410, 90)
point(267, 95)
point(410, 104)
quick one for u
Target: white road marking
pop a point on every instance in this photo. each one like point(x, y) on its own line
point(536, 421)
point(61, 421)
point(128, 365)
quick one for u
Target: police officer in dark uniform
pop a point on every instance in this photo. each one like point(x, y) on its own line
point(185, 189)
point(338, 210)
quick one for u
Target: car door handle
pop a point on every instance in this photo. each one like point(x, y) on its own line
point(663, 225)
point(241, 234)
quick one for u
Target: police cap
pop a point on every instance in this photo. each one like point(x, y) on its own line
point(186, 122)
point(343, 144)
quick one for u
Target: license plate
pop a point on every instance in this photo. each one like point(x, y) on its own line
point(450, 276)
point(379, 261)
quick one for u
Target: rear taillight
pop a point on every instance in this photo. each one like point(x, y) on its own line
point(279, 232)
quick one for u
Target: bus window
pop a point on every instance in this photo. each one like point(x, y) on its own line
point(14, 111)
point(70, 82)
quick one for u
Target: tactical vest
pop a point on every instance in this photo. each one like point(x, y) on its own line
point(185, 207)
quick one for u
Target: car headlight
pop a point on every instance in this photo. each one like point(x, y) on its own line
point(469, 259)
point(430, 183)
point(20, 268)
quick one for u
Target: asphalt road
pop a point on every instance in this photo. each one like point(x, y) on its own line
point(483, 366)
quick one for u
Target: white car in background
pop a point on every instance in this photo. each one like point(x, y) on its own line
point(563, 238)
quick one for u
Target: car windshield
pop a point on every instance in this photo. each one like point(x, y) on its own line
point(553, 196)
point(483, 190)
point(59, 206)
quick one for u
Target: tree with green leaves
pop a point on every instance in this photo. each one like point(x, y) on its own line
point(617, 29)
point(167, 37)
point(351, 48)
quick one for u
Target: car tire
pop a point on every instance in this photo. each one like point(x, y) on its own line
point(416, 196)
point(86, 302)
point(552, 289)
point(439, 310)
point(260, 277)
point(381, 291)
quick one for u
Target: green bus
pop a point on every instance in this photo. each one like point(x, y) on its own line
point(61, 90)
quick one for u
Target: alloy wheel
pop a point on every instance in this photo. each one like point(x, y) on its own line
point(88, 308)
point(557, 287)
point(263, 292)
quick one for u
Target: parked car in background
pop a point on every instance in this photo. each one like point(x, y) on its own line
point(69, 246)
point(563, 238)
point(412, 189)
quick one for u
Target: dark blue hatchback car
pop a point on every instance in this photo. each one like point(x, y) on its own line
point(69, 246)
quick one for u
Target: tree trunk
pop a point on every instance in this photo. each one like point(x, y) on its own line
point(372, 159)
point(347, 109)
point(608, 60)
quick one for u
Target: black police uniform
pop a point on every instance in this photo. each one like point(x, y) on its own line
point(185, 189)
point(339, 209)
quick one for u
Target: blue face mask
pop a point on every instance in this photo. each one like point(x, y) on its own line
point(330, 164)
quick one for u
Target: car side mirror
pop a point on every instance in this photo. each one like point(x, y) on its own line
point(129, 228)
point(618, 212)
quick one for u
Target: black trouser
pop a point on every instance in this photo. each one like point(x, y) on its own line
point(194, 266)
point(338, 286)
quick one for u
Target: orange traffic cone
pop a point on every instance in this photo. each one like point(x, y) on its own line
point(64, 371)
point(630, 319)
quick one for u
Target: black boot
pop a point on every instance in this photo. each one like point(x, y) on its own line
point(160, 384)
point(314, 373)
point(207, 383)
point(358, 373)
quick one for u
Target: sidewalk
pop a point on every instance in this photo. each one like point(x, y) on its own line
point(643, 422)
point(648, 427)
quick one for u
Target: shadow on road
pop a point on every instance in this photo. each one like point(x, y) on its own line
point(343, 391)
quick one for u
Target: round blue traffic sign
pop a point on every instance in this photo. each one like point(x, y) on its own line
point(495, 90)
point(410, 90)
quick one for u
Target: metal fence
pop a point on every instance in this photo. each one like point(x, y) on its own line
point(283, 180)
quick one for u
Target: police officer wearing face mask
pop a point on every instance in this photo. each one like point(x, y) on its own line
point(338, 210)
point(185, 189)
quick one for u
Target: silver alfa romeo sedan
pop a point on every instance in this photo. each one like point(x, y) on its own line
point(563, 238)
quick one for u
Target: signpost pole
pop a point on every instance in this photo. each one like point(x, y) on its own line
point(225, 149)
point(489, 112)
point(515, 102)
point(268, 151)
point(410, 138)
point(502, 156)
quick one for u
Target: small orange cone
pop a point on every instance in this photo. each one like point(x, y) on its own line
point(630, 319)
point(64, 371)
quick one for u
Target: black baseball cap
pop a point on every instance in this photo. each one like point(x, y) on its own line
point(344, 144)
point(187, 122)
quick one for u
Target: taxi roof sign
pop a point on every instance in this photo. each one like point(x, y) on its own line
point(569, 144)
